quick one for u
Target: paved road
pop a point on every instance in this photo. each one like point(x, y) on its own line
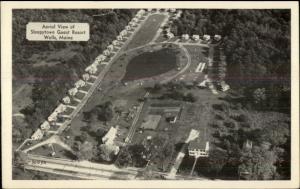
point(80, 169)
point(182, 70)
point(136, 118)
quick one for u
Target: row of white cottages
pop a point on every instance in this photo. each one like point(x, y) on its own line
point(91, 70)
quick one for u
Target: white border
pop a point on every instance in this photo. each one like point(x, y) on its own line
point(6, 89)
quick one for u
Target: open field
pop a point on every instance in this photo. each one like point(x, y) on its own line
point(147, 31)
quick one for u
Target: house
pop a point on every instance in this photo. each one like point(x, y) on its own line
point(91, 69)
point(170, 35)
point(73, 91)
point(217, 37)
point(223, 86)
point(206, 37)
point(149, 10)
point(171, 119)
point(198, 148)
point(101, 57)
point(127, 28)
point(52, 117)
point(37, 135)
point(115, 42)
point(110, 47)
point(141, 12)
point(185, 36)
point(60, 108)
point(132, 24)
point(138, 16)
point(79, 83)
point(196, 37)
point(110, 136)
point(172, 10)
point(123, 32)
point(247, 145)
point(86, 77)
point(135, 20)
point(45, 125)
point(106, 52)
point(66, 100)
point(119, 37)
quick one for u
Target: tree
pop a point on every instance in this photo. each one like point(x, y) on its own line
point(85, 151)
point(190, 97)
point(124, 159)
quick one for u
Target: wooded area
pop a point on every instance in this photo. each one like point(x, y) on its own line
point(55, 76)
point(257, 47)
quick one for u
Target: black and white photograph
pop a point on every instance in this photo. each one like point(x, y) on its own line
point(152, 93)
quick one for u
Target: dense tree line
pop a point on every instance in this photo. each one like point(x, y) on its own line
point(51, 81)
point(256, 44)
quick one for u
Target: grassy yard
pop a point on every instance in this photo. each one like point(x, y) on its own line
point(147, 31)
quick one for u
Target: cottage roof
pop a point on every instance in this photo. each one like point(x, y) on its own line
point(199, 142)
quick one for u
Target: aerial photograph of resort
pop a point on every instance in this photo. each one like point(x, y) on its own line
point(151, 94)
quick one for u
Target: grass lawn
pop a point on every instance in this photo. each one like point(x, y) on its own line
point(147, 31)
